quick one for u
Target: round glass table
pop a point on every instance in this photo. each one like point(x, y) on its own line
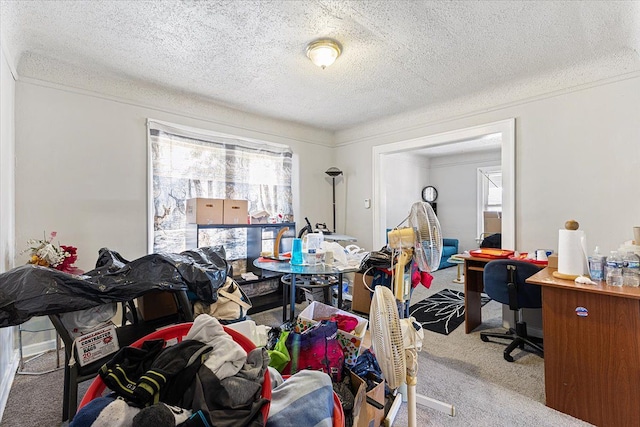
point(285, 267)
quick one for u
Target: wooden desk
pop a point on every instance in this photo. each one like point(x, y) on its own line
point(473, 288)
point(591, 350)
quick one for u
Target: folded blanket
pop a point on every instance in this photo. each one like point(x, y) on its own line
point(305, 399)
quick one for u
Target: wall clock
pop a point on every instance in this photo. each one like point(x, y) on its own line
point(429, 194)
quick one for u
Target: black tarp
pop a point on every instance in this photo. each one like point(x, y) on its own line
point(32, 290)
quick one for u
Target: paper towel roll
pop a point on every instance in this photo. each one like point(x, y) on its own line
point(572, 248)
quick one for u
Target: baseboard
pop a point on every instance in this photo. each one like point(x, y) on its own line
point(7, 380)
point(37, 348)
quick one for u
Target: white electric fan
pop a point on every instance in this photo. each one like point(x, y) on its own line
point(397, 353)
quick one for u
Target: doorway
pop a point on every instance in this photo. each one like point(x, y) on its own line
point(383, 172)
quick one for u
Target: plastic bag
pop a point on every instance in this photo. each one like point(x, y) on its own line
point(79, 322)
point(32, 290)
point(339, 253)
point(231, 306)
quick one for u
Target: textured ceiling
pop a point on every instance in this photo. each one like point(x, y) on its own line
point(398, 56)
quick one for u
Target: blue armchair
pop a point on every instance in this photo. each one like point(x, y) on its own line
point(449, 247)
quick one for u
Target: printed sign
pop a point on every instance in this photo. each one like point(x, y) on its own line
point(97, 344)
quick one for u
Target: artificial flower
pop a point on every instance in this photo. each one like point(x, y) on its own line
point(48, 254)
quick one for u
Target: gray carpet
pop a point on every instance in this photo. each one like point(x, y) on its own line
point(457, 368)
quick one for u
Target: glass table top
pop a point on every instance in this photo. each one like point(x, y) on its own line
point(286, 268)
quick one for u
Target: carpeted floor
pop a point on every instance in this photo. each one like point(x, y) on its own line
point(457, 368)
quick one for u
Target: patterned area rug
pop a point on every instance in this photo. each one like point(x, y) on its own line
point(442, 312)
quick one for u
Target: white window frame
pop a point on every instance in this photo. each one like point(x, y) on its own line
point(483, 194)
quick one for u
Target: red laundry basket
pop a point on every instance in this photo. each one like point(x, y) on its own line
point(175, 334)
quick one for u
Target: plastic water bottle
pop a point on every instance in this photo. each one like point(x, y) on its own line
point(596, 265)
point(613, 269)
point(631, 270)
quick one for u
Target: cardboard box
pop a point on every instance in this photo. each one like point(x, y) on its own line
point(553, 261)
point(350, 341)
point(156, 304)
point(492, 222)
point(260, 217)
point(235, 211)
point(204, 211)
point(365, 414)
point(361, 296)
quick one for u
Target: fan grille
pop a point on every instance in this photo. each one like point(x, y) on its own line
point(428, 246)
point(386, 336)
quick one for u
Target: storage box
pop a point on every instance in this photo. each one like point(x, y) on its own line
point(350, 341)
point(365, 414)
point(361, 296)
point(204, 211)
point(492, 222)
point(156, 304)
point(315, 294)
point(235, 211)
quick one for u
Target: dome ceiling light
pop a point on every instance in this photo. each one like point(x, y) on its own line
point(323, 52)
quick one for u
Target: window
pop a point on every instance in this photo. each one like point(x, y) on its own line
point(489, 193)
point(185, 163)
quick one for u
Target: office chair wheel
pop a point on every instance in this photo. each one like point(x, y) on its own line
point(508, 357)
point(484, 338)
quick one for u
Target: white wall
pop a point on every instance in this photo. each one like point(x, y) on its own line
point(455, 177)
point(577, 156)
point(8, 354)
point(82, 167)
point(405, 177)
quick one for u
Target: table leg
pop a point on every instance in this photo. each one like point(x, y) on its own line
point(340, 291)
point(460, 277)
point(293, 297)
point(473, 287)
point(285, 299)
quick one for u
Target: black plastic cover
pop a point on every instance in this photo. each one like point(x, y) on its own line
point(32, 290)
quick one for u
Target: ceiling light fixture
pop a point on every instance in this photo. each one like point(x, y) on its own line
point(324, 52)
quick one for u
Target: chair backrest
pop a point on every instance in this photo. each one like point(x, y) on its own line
point(496, 279)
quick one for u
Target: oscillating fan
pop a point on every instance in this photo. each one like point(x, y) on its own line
point(397, 354)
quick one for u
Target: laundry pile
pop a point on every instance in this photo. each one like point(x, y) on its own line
point(205, 380)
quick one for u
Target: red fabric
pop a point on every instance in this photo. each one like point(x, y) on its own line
point(345, 323)
point(420, 277)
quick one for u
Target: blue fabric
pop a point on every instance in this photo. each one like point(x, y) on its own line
point(88, 414)
point(496, 279)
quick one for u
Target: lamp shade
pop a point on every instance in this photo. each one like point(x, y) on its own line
point(333, 171)
point(323, 52)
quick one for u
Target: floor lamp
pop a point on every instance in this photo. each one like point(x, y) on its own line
point(333, 172)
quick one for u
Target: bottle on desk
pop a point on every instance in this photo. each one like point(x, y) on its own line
point(631, 270)
point(613, 269)
point(596, 265)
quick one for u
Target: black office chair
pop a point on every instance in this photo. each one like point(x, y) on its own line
point(491, 240)
point(131, 329)
point(504, 281)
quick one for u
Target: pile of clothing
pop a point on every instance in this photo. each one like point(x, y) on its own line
point(206, 380)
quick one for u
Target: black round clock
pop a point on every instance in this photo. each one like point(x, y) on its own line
point(429, 194)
